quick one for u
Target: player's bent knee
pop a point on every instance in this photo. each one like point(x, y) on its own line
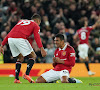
point(64, 79)
point(20, 58)
point(32, 55)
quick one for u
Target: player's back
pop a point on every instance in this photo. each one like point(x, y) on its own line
point(23, 28)
point(83, 34)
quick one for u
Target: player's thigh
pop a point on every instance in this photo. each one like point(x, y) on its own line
point(86, 48)
point(14, 50)
point(24, 47)
point(64, 75)
point(82, 51)
point(51, 75)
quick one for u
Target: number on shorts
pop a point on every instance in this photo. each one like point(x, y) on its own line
point(83, 35)
point(24, 22)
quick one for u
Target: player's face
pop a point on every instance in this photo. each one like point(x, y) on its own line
point(37, 21)
point(58, 42)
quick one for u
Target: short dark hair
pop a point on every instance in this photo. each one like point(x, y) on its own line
point(36, 16)
point(61, 36)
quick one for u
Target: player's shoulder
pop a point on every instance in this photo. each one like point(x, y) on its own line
point(70, 48)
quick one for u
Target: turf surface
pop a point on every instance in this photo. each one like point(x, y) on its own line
point(89, 83)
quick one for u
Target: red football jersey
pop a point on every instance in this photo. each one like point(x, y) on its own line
point(83, 34)
point(23, 29)
point(68, 55)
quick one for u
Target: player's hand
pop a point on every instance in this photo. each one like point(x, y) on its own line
point(54, 59)
point(43, 52)
point(54, 64)
point(1, 50)
point(57, 60)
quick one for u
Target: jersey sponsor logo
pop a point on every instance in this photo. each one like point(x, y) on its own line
point(64, 53)
point(72, 54)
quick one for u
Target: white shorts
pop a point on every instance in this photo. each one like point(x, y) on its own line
point(83, 50)
point(53, 75)
point(19, 45)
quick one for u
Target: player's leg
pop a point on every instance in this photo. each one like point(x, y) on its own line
point(48, 76)
point(74, 80)
point(87, 63)
point(25, 49)
point(20, 59)
point(87, 60)
point(81, 52)
point(15, 53)
point(64, 79)
point(30, 63)
point(87, 66)
point(40, 79)
point(64, 75)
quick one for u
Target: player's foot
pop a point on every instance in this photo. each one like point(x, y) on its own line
point(74, 80)
point(27, 77)
point(91, 73)
point(78, 81)
point(17, 81)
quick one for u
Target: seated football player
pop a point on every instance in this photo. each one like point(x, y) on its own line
point(63, 61)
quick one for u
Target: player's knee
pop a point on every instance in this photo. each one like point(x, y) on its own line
point(35, 56)
point(40, 80)
point(32, 55)
point(64, 79)
point(21, 59)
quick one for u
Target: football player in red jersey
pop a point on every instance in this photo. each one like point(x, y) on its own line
point(63, 61)
point(83, 35)
point(20, 47)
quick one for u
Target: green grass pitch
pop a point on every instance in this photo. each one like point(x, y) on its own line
point(89, 83)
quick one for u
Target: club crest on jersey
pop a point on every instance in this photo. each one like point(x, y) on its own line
point(64, 53)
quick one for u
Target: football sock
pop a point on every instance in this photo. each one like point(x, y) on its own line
point(29, 65)
point(18, 66)
point(87, 65)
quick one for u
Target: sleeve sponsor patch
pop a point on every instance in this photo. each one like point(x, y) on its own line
point(72, 54)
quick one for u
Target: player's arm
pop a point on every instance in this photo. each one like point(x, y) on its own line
point(54, 63)
point(71, 58)
point(58, 60)
point(2, 44)
point(75, 36)
point(38, 41)
point(96, 24)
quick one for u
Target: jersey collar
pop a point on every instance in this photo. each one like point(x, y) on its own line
point(63, 48)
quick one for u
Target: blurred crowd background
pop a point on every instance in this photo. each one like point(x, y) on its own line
point(58, 16)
